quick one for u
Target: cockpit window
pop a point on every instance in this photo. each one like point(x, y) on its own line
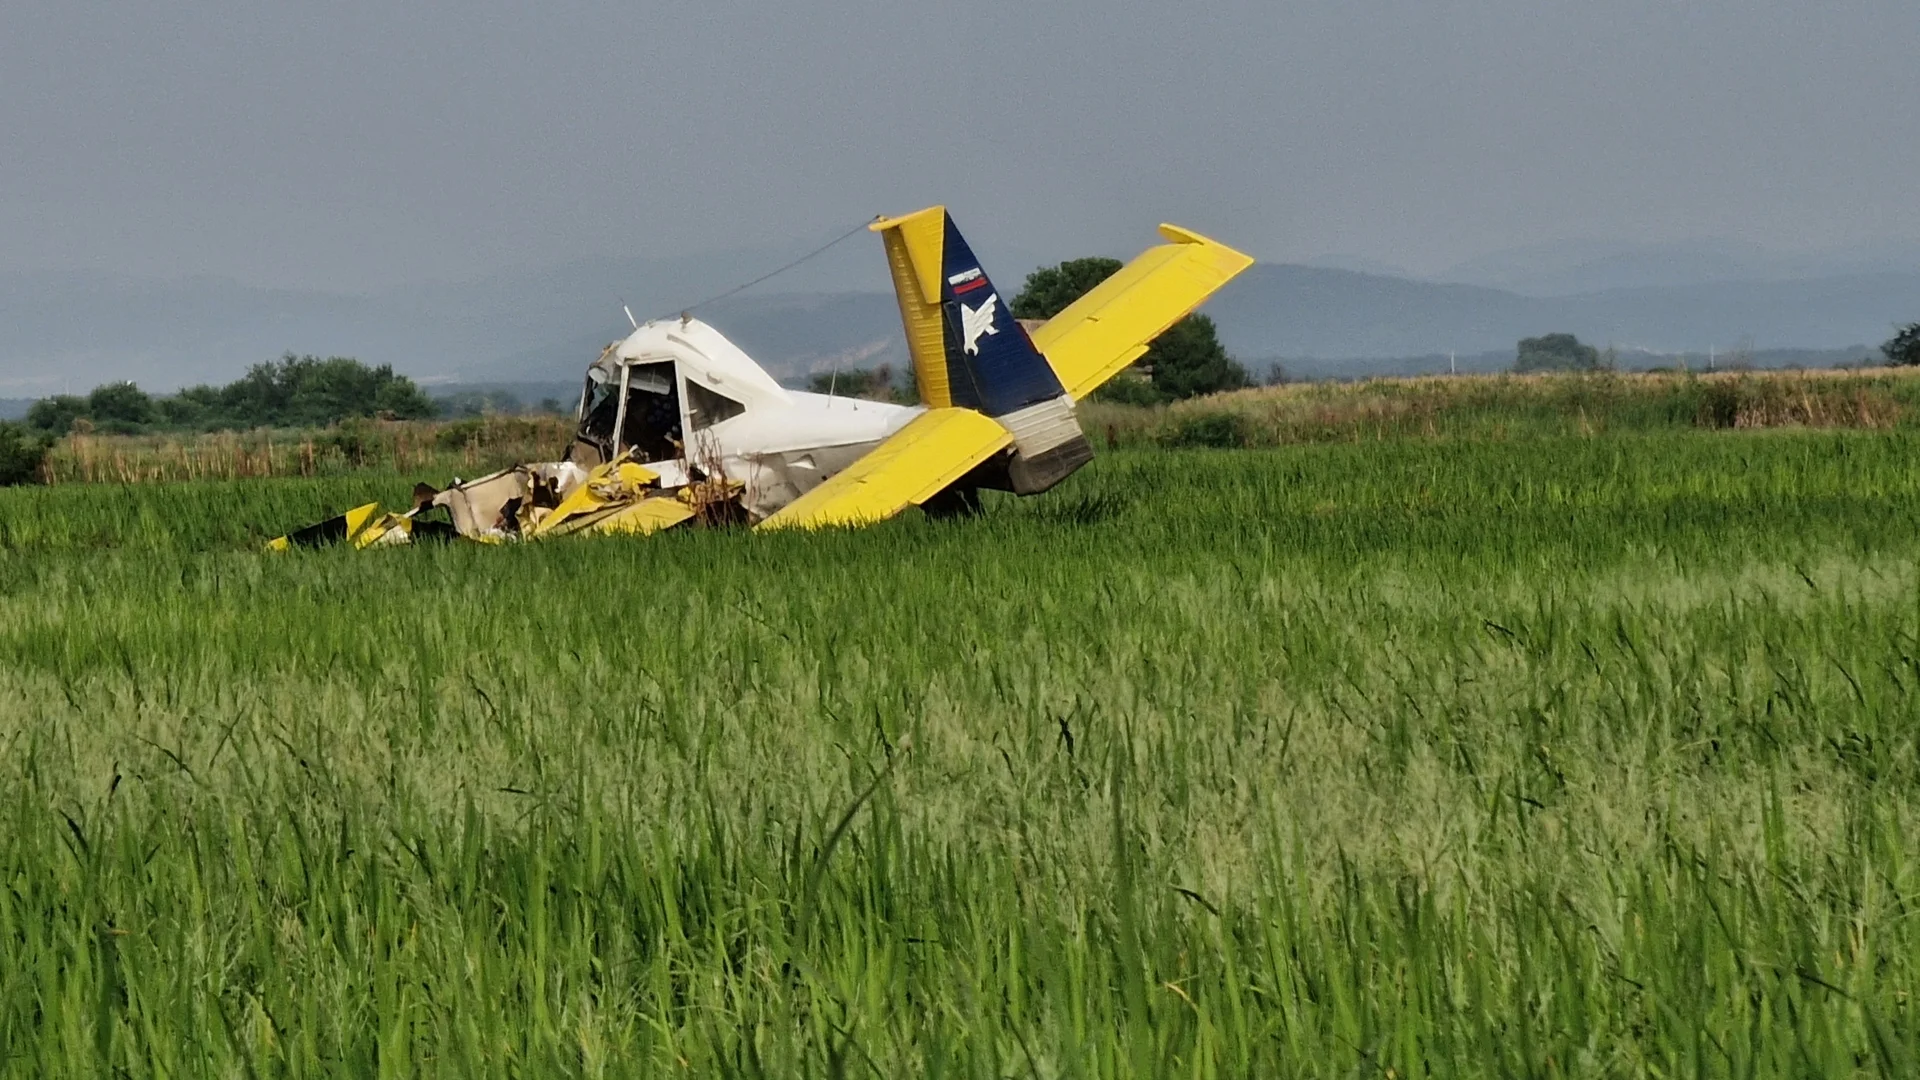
point(652, 423)
point(599, 401)
point(706, 408)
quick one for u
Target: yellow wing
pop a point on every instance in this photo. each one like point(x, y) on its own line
point(911, 466)
point(1102, 332)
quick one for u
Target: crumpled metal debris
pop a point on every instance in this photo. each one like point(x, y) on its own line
point(530, 502)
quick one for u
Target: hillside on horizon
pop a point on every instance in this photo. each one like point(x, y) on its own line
point(69, 331)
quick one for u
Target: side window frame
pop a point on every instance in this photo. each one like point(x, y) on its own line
point(704, 407)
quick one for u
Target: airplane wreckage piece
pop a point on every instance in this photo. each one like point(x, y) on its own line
point(677, 424)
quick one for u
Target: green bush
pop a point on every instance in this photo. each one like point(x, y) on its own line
point(459, 433)
point(1719, 405)
point(353, 440)
point(120, 408)
point(56, 414)
point(1215, 430)
point(22, 453)
point(1555, 352)
point(1129, 388)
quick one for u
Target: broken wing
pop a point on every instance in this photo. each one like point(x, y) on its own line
point(1102, 332)
point(911, 466)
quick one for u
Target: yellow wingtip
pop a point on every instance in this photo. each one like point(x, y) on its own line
point(1108, 328)
point(1181, 235)
point(882, 224)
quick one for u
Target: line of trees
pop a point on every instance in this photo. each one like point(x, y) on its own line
point(1565, 352)
point(293, 392)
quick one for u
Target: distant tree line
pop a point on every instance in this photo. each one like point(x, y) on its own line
point(1564, 352)
point(293, 392)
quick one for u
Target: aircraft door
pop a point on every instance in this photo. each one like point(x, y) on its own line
point(649, 420)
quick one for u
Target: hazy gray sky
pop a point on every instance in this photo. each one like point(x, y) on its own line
point(351, 145)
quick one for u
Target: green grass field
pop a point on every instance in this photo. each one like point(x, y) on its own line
point(1563, 756)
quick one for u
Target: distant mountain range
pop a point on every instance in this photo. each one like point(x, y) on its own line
point(1306, 312)
point(71, 331)
point(1577, 267)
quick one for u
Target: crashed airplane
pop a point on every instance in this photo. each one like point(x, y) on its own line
point(678, 425)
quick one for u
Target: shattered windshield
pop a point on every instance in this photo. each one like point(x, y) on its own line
point(598, 405)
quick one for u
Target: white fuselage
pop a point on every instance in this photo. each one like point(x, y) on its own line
point(733, 418)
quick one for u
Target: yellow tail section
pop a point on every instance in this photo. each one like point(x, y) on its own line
point(1098, 335)
point(1092, 340)
point(914, 250)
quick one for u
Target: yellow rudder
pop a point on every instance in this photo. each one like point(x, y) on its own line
point(914, 246)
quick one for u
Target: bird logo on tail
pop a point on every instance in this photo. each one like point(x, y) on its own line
point(975, 322)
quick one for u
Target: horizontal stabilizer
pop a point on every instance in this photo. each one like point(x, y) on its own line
point(911, 466)
point(1098, 335)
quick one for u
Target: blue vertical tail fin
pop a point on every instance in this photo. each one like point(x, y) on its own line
point(970, 352)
